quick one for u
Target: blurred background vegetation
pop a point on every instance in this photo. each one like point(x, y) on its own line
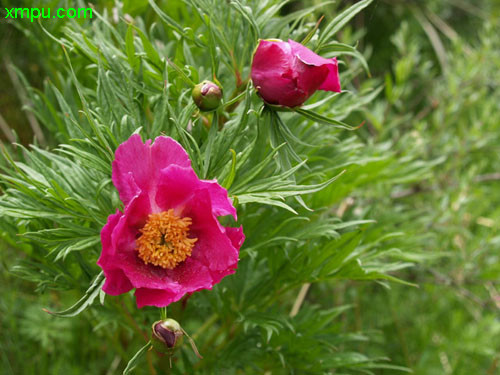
point(439, 64)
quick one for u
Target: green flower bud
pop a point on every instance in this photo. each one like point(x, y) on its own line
point(166, 335)
point(207, 96)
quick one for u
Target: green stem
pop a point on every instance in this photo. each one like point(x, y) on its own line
point(209, 343)
point(234, 100)
point(128, 316)
point(163, 313)
point(211, 320)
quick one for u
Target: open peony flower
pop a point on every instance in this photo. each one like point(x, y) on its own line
point(168, 241)
point(287, 73)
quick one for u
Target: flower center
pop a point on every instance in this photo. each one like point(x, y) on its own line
point(164, 241)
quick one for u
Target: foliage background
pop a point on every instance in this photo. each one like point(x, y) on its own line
point(418, 201)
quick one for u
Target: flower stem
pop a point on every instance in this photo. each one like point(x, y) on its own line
point(300, 299)
point(163, 313)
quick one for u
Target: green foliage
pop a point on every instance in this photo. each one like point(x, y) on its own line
point(447, 326)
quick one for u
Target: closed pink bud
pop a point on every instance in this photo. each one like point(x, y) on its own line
point(166, 335)
point(287, 73)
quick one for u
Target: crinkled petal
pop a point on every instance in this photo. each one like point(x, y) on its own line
point(142, 275)
point(116, 282)
point(137, 165)
point(177, 185)
point(331, 82)
point(127, 229)
point(217, 276)
point(309, 77)
point(106, 233)
point(192, 276)
point(271, 59)
point(213, 248)
point(272, 73)
point(188, 277)
point(155, 297)
point(221, 204)
point(236, 236)
point(119, 253)
point(306, 55)
point(124, 242)
point(282, 91)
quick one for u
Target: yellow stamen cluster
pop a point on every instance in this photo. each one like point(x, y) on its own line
point(164, 241)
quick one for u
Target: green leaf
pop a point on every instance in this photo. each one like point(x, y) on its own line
point(135, 359)
point(183, 75)
point(133, 60)
point(174, 25)
point(246, 12)
point(311, 33)
point(230, 178)
point(151, 53)
point(297, 16)
point(345, 49)
point(316, 117)
point(212, 135)
point(84, 302)
point(340, 21)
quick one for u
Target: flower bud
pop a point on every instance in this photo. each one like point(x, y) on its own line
point(166, 335)
point(207, 95)
point(288, 73)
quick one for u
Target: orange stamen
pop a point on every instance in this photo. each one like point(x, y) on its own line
point(164, 241)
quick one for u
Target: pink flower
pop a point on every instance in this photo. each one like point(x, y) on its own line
point(168, 241)
point(287, 73)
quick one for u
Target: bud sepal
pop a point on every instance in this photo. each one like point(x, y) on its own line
point(167, 335)
point(207, 96)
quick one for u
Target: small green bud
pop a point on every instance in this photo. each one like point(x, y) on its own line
point(166, 335)
point(207, 96)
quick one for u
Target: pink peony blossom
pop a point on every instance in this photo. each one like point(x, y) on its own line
point(168, 241)
point(287, 73)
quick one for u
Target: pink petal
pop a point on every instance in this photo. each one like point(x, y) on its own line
point(192, 275)
point(137, 165)
point(178, 184)
point(332, 81)
point(213, 248)
point(217, 276)
point(306, 55)
point(106, 232)
point(282, 91)
point(271, 59)
point(310, 77)
point(221, 204)
point(188, 277)
point(116, 282)
point(236, 236)
point(127, 229)
point(272, 73)
point(143, 275)
point(155, 297)
point(124, 243)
